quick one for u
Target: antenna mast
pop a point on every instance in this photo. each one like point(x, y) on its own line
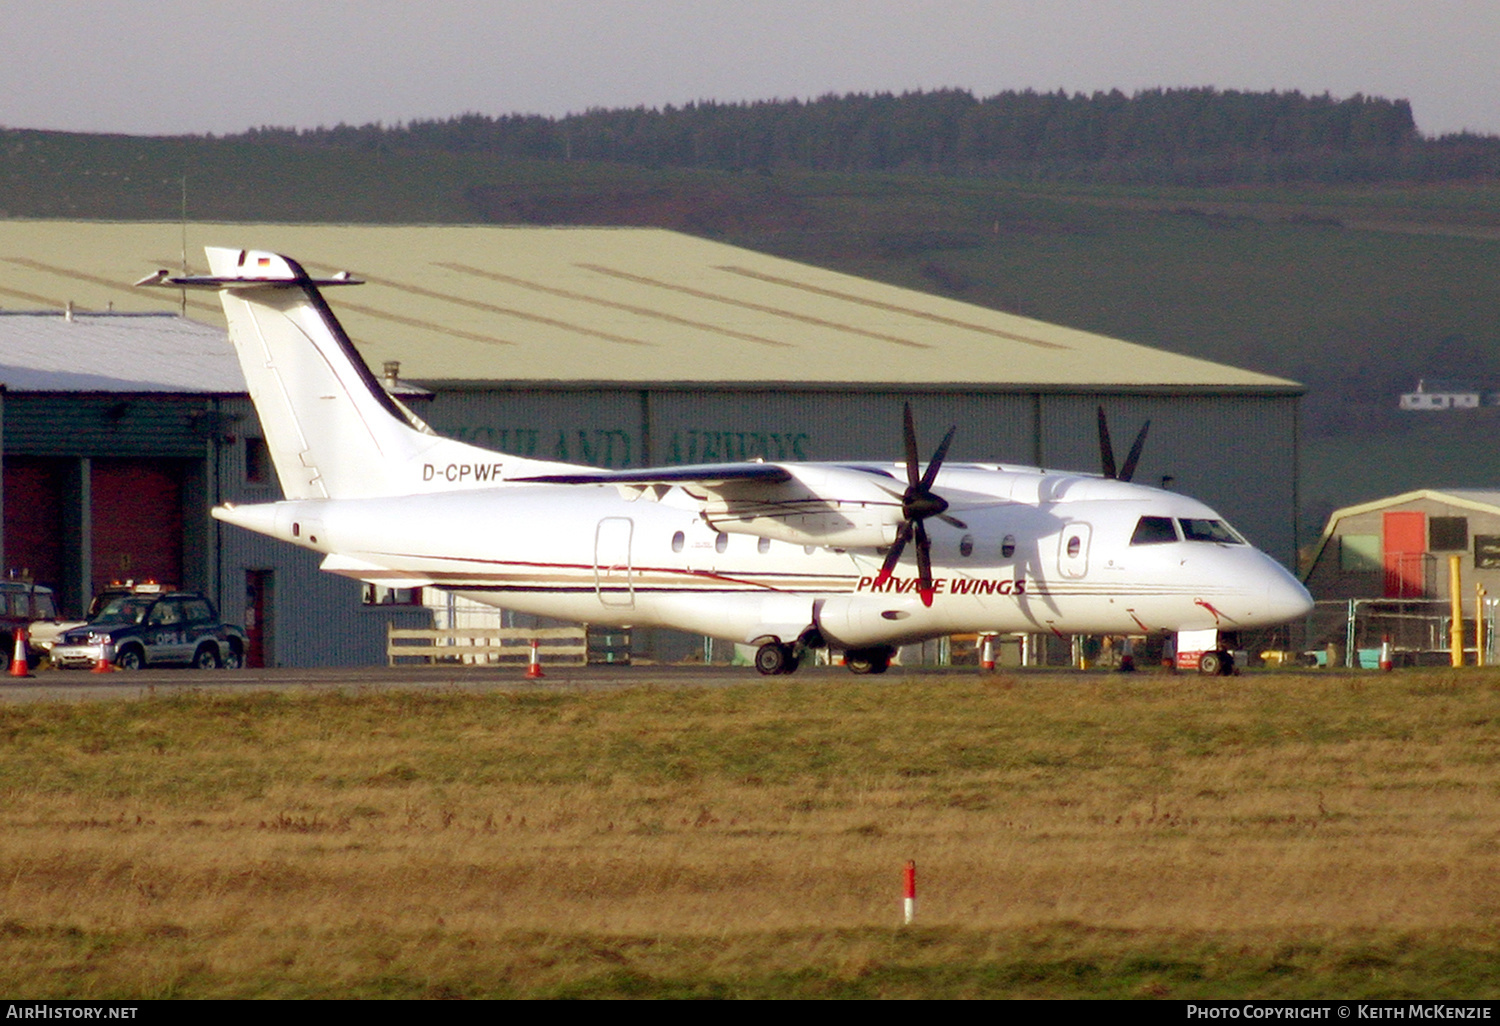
point(183, 292)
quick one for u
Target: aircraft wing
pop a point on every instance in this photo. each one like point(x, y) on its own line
point(802, 503)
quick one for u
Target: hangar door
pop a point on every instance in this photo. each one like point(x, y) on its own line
point(137, 518)
point(35, 492)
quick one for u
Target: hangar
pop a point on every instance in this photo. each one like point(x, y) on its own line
point(630, 347)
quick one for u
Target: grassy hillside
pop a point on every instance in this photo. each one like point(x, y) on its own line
point(1356, 292)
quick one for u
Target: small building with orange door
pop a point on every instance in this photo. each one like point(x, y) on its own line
point(1398, 547)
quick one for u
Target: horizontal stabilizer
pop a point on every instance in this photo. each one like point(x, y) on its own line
point(333, 431)
point(250, 269)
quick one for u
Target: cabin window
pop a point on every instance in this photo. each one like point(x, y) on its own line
point(721, 542)
point(763, 546)
point(966, 545)
point(1209, 531)
point(1153, 531)
point(678, 541)
point(1075, 545)
point(1008, 546)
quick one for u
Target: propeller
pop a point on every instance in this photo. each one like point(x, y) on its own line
point(1107, 453)
point(918, 503)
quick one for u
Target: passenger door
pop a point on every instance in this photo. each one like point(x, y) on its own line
point(613, 578)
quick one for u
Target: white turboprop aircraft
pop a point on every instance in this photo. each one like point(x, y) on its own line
point(784, 556)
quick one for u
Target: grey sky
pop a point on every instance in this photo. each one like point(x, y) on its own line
point(226, 65)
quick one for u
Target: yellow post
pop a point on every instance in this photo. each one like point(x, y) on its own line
point(1479, 594)
point(1456, 599)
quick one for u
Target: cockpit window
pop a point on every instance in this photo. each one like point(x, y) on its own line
point(1209, 531)
point(1153, 531)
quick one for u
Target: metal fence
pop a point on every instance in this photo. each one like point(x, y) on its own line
point(1351, 632)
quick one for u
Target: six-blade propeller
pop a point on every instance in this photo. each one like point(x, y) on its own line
point(918, 503)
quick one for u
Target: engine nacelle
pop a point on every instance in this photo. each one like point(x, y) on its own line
point(832, 528)
point(865, 620)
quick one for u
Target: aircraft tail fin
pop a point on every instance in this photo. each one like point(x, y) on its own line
point(332, 430)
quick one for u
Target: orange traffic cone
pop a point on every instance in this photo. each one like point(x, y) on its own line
point(19, 667)
point(535, 669)
point(103, 665)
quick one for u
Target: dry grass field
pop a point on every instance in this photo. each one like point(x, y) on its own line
point(1076, 835)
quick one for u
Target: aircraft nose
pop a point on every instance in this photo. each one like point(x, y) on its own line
point(1286, 599)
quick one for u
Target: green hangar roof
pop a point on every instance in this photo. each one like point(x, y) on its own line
point(479, 304)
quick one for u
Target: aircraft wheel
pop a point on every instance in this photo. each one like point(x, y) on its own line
point(868, 660)
point(772, 658)
point(1215, 664)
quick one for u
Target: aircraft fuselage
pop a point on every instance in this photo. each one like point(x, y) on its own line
point(1049, 553)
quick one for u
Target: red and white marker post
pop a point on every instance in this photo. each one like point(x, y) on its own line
point(909, 903)
point(1385, 653)
point(987, 652)
point(534, 670)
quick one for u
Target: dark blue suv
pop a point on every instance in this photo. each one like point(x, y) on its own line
point(180, 628)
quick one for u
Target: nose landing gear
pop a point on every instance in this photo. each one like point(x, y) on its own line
point(1216, 664)
point(774, 658)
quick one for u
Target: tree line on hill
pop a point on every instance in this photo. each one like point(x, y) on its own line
point(1157, 136)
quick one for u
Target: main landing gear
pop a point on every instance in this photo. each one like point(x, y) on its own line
point(774, 658)
point(868, 660)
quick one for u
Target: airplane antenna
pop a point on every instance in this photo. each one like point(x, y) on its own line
point(183, 292)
